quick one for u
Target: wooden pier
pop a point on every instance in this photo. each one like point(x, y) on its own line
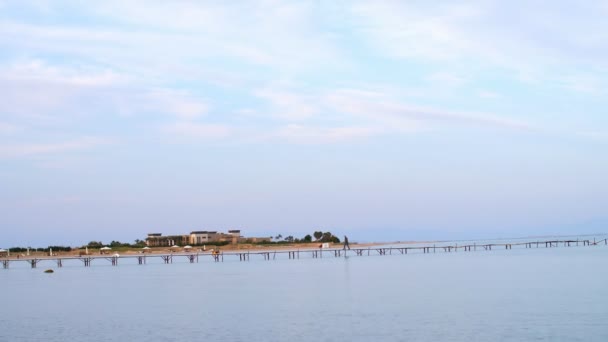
point(216, 256)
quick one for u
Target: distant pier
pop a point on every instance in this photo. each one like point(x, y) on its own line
point(218, 256)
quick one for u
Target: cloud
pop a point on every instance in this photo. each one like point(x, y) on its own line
point(46, 92)
point(6, 128)
point(284, 61)
point(593, 135)
point(382, 108)
point(409, 30)
point(322, 135)
point(275, 34)
point(38, 93)
point(582, 83)
point(486, 94)
point(337, 115)
point(181, 104)
point(288, 104)
point(190, 130)
point(37, 70)
point(523, 37)
point(29, 150)
point(447, 79)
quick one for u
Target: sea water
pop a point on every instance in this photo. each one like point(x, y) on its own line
point(538, 294)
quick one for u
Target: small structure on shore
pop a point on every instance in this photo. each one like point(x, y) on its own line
point(187, 248)
point(146, 249)
point(3, 253)
point(105, 250)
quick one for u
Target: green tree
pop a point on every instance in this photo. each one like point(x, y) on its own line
point(318, 235)
point(308, 238)
point(289, 238)
point(329, 237)
point(95, 244)
point(326, 237)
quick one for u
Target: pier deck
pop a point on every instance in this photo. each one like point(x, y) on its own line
point(194, 257)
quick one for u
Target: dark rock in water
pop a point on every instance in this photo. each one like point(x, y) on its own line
point(49, 271)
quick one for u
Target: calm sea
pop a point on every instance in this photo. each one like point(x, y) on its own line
point(544, 294)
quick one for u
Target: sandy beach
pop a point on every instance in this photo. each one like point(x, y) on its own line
point(203, 249)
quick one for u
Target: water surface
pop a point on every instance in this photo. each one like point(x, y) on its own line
point(545, 294)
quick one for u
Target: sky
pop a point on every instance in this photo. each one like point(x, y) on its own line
point(380, 120)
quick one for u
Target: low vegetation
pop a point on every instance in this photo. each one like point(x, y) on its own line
point(45, 250)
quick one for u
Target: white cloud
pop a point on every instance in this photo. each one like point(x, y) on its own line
point(37, 93)
point(289, 105)
point(160, 57)
point(178, 103)
point(27, 150)
point(6, 128)
point(447, 79)
point(522, 37)
point(42, 92)
point(487, 94)
point(188, 129)
point(583, 83)
point(38, 71)
point(397, 115)
point(594, 135)
point(408, 30)
point(274, 34)
point(321, 135)
point(350, 114)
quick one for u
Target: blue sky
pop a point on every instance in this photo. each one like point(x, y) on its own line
point(394, 120)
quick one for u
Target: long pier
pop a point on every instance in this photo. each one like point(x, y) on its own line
point(167, 258)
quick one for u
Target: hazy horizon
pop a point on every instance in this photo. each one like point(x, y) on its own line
point(378, 120)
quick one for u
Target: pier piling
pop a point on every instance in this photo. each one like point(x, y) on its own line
point(86, 261)
point(168, 259)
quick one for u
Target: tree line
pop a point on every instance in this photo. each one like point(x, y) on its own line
point(40, 249)
point(115, 244)
point(316, 237)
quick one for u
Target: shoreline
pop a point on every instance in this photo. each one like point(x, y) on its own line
point(196, 249)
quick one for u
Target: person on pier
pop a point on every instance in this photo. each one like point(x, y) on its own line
point(346, 245)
